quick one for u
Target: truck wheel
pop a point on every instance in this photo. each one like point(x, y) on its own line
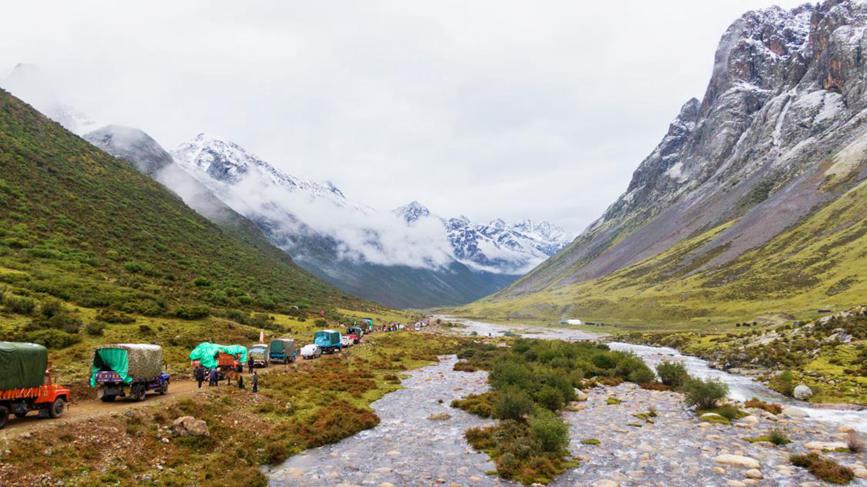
point(57, 408)
point(4, 416)
point(21, 415)
point(108, 398)
point(164, 388)
point(138, 392)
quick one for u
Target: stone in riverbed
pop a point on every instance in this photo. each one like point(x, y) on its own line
point(738, 461)
point(861, 473)
point(826, 445)
point(606, 483)
point(754, 473)
point(802, 392)
point(793, 412)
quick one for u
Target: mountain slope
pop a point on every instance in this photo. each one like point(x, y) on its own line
point(86, 227)
point(778, 136)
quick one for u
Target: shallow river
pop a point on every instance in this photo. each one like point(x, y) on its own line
point(412, 446)
point(741, 387)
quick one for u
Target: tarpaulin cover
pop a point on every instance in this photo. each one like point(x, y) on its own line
point(206, 353)
point(282, 345)
point(22, 365)
point(130, 360)
point(327, 338)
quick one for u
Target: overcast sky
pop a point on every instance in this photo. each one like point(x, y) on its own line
point(532, 109)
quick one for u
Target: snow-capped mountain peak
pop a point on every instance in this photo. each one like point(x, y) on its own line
point(412, 212)
point(227, 163)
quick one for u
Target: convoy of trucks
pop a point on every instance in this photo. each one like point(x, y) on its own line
point(25, 383)
point(131, 370)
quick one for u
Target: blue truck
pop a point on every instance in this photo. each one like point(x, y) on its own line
point(328, 341)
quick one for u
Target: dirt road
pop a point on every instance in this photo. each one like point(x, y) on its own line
point(93, 408)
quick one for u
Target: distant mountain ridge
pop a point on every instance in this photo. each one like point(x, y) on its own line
point(403, 258)
point(778, 136)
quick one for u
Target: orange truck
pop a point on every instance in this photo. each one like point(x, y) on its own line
point(25, 383)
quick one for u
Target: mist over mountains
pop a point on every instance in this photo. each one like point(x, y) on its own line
point(375, 254)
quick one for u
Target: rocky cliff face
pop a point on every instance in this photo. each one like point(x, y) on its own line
point(778, 134)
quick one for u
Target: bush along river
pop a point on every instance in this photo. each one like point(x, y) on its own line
point(420, 440)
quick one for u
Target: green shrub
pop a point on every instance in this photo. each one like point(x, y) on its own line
point(778, 437)
point(95, 328)
point(550, 398)
point(52, 338)
point(823, 468)
point(641, 375)
point(511, 373)
point(730, 412)
point(784, 383)
point(550, 430)
point(201, 282)
point(19, 305)
point(50, 307)
point(192, 312)
point(672, 374)
point(512, 403)
point(114, 317)
point(704, 394)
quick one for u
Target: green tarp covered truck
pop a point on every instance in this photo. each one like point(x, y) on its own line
point(125, 369)
point(25, 384)
point(207, 353)
point(282, 350)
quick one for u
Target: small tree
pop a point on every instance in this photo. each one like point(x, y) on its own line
point(704, 394)
point(512, 403)
point(672, 374)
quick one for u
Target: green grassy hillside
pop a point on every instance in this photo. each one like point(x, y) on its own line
point(818, 264)
point(79, 226)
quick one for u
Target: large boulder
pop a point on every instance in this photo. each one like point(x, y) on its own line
point(802, 392)
point(190, 426)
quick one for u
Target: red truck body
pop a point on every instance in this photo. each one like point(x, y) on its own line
point(49, 399)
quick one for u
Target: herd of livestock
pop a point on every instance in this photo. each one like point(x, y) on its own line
point(131, 370)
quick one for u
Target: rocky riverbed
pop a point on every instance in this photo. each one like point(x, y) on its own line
point(678, 449)
point(419, 441)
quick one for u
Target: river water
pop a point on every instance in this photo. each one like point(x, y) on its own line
point(741, 388)
point(412, 446)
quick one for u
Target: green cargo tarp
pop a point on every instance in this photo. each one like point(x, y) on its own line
point(130, 361)
point(327, 338)
point(282, 345)
point(206, 353)
point(22, 365)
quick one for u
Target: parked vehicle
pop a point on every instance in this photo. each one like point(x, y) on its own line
point(282, 350)
point(311, 351)
point(128, 369)
point(368, 323)
point(346, 341)
point(25, 383)
point(328, 341)
point(259, 354)
point(355, 333)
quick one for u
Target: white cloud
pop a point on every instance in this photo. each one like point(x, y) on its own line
point(489, 108)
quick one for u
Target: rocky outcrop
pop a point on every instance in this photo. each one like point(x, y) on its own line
point(778, 133)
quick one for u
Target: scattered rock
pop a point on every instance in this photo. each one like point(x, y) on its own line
point(794, 412)
point(826, 445)
point(574, 406)
point(861, 473)
point(750, 420)
point(737, 461)
point(606, 483)
point(802, 392)
point(754, 473)
point(188, 425)
point(735, 483)
point(439, 416)
point(580, 395)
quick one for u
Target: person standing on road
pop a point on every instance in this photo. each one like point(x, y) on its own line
point(250, 363)
point(212, 377)
point(200, 375)
point(254, 381)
